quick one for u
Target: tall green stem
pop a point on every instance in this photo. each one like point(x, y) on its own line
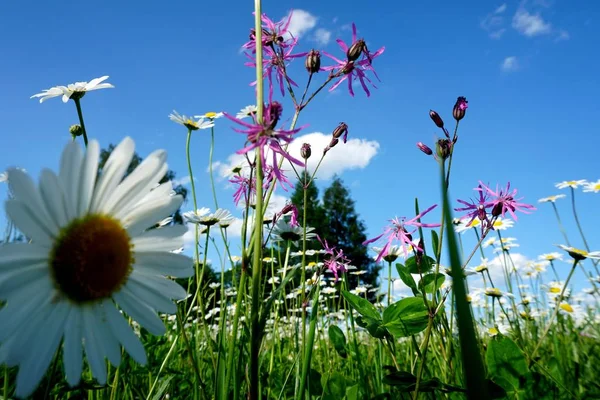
point(210, 165)
point(80, 115)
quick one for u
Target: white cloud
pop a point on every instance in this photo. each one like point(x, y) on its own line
point(530, 24)
point(302, 22)
point(563, 35)
point(510, 64)
point(322, 36)
point(355, 154)
point(496, 269)
point(493, 23)
point(181, 181)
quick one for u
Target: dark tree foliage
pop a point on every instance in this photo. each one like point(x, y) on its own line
point(135, 161)
point(343, 229)
point(315, 214)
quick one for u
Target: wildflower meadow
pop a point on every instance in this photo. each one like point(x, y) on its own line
point(121, 278)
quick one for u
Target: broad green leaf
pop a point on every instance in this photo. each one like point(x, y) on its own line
point(406, 317)
point(423, 267)
point(407, 278)
point(315, 388)
point(334, 387)
point(432, 282)
point(373, 326)
point(363, 306)
point(338, 339)
point(507, 365)
point(352, 392)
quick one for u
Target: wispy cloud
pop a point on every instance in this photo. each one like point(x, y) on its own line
point(562, 35)
point(493, 23)
point(530, 24)
point(181, 181)
point(322, 36)
point(510, 64)
point(302, 22)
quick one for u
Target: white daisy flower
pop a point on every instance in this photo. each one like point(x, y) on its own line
point(204, 217)
point(77, 88)
point(592, 186)
point(550, 256)
point(571, 184)
point(551, 199)
point(284, 231)
point(89, 253)
point(211, 115)
point(246, 112)
point(579, 254)
point(192, 123)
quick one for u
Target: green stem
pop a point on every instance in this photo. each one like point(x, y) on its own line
point(80, 115)
point(424, 348)
point(210, 165)
point(560, 225)
point(310, 340)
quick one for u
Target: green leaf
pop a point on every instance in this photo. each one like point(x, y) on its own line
point(315, 388)
point(363, 306)
point(373, 326)
point(432, 282)
point(334, 387)
point(164, 384)
point(435, 242)
point(352, 392)
point(406, 382)
point(507, 365)
point(382, 396)
point(406, 317)
point(407, 278)
point(338, 339)
point(423, 267)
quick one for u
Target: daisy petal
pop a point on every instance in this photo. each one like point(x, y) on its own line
point(167, 264)
point(87, 179)
point(148, 214)
point(164, 239)
point(70, 169)
point(156, 301)
point(124, 334)
point(93, 344)
point(53, 197)
point(73, 347)
point(141, 313)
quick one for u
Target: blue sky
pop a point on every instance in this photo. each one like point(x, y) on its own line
point(527, 69)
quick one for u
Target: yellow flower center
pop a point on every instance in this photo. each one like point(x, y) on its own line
point(577, 254)
point(555, 289)
point(493, 292)
point(566, 307)
point(572, 183)
point(493, 331)
point(481, 268)
point(91, 259)
point(191, 124)
point(474, 223)
point(596, 186)
point(210, 114)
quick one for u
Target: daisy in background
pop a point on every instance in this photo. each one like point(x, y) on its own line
point(74, 90)
point(592, 186)
point(551, 199)
point(571, 184)
point(192, 123)
point(90, 255)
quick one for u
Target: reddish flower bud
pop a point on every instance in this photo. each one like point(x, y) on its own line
point(313, 61)
point(341, 129)
point(305, 151)
point(497, 210)
point(436, 118)
point(424, 148)
point(443, 148)
point(273, 110)
point(356, 50)
point(460, 108)
point(331, 145)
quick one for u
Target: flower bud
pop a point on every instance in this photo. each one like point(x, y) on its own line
point(497, 210)
point(436, 118)
point(313, 61)
point(331, 145)
point(460, 108)
point(443, 148)
point(305, 151)
point(341, 129)
point(356, 50)
point(237, 170)
point(273, 112)
point(76, 130)
point(424, 148)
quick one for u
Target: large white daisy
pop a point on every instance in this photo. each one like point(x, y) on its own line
point(90, 255)
point(78, 88)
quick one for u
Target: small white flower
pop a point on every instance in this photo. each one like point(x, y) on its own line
point(550, 256)
point(579, 254)
point(571, 184)
point(592, 186)
point(211, 115)
point(78, 87)
point(192, 123)
point(551, 199)
point(246, 112)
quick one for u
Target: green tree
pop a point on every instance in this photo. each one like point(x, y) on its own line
point(343, 229)
point(135, 161)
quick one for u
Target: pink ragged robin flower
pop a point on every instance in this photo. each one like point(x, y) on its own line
point(503, 201)
point(246, 189)
point(264, 136)
point(274, 63)
point(337, 262)
point(273, 33)
point(397, 230)
point(476, 209)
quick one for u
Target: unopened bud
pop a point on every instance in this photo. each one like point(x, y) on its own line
point(76, 130)
point(313, 61)
point(237, 170)
point(424, 148)
point(436, 118)
point(356, 50)
point(341, 129)
point(460, 108)
point(497, 210)
point(273, 112)
point(443, 148)
point(331, 145)
point(305, 151)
